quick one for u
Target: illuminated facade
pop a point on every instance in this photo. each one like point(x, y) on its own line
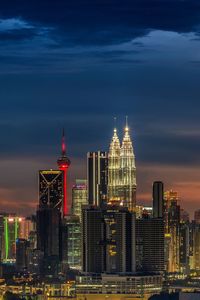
point(13, 229)
point(51, 189)
point(71, 242)
point(172, 231)
point(114, 170)
point(127, 172)
point(63, 164)
point(79, 197)
point(122, 172)
point(118, 287)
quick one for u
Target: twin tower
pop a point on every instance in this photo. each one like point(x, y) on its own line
point(122, 171)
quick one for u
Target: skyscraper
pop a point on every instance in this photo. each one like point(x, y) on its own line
point(150, 244)
point(79, 197)
point(114, 170)
point(108, 240)
point(21, 254)
point(97, 174)
point(49, 219)
point(172, 231)
point(63, 164)
point(71, 242)
point(51, 189)
point(158, 199)
point(127, 172)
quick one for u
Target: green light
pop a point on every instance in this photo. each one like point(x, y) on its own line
point(6, 236)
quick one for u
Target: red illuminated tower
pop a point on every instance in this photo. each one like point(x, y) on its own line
point(63, 164)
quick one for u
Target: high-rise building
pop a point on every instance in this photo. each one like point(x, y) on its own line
point(51, 189)
point(97, 174)
point(127, 172)
point(63, 164)
point(172, 231)
point(79, 197)
point(49, 219)
point(12, 229)
point(114, 170)
point(158, 199)
point(150, 244)
point(71, 242)
point(48, 231)
point(21, 254)
point(108, 240)
point(184, 250)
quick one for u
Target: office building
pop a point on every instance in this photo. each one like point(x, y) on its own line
point(49, 219)
point(12, 229)
point(158, 199)
point(108, 240)
point(114, 170)
point(97, 177)
point(127, 172)
point(172, 231)
point(150, 245)
point(63, 165)
point(21, 254)
point(71, 242)
point(79, 197)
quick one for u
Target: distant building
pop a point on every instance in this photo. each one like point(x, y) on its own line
point(49, 219)
point(127, 172)
point(14, 227)
point(118, 286)
point(158, 199)
point(79, 197)
point(172, 231)
point(150, 245)
point(71, 242)
point(21, 254)
point(97, 177)
point(108, 240)
point(114, 170)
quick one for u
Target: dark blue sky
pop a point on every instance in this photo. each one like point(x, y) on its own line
point(78, 64)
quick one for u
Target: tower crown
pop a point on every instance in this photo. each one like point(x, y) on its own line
point(63, 161)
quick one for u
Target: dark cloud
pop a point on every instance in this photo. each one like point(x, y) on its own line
point(78, 64)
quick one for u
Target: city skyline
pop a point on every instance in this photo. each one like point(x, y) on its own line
point(77, 65)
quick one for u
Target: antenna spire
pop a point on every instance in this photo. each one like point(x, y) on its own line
point(63, 143)
point(126, 128)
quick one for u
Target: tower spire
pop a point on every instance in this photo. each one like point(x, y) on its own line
point(63, 165)
point(63, 144)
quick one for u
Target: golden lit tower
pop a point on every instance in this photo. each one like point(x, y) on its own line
point(127, 172)
point(114, 169)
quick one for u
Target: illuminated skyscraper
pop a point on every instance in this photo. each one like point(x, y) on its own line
point(12, 231)
point(172, 231)
point(114, 169)
point(51, 189)
point(127, 172)
point(49, 218)
point(97, 174)
point(79, 197)
point(63, 164)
